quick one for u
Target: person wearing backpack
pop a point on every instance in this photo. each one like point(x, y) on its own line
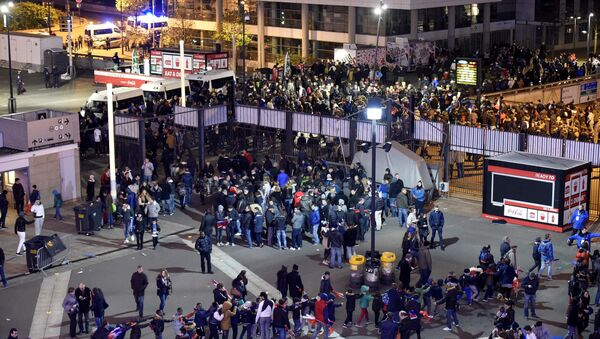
point(264, 316)
point(535, 254)
point(204, 247)
point(546, 250)
point(485, 257)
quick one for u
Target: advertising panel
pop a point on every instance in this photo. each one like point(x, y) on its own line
point(467, 72)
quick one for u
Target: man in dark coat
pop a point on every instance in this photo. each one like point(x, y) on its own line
point(139, 282)
point(209, 222)
point(83, 294)
point(295, 286)
point(3, 208)
point(405, 269)
point(204, 247)
point(19, 195)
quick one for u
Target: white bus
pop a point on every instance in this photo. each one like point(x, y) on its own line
point(216, 79)
point(146, 23)
point(100, 33)
point(123, 97)
point(164, 89)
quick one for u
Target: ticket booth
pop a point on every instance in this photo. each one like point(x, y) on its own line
point(534, 190)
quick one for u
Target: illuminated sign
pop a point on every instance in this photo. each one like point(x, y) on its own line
point(467, 72)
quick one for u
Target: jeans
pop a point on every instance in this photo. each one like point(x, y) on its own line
point(336, 253)
point(386, 206)
point(163, 301)
point(98, 319)
point(164, 205)
point(265, 327)
point(205, 258)
point(139, 304)
point(320, 326)
point(419, 206)
point(402, 216)
point(315, 234)
point(249, 329)
point(437, 230)
point(188, 195)
point(572, 333)
point(81, 316)
point(297, 237)
point(546, 263)
point(258, 238)
point(249, 238)
point(350, 251)
point(172, 202)
point(536, 264)
point(72, 324)
point(219, 235)
point(3, 276)
point(281, 238)
point(57, 214)
point(148, 178)
point(450, 317)
point(529, 303)
point(597, 301)
point(297, 325)
point(281, 333)
point(128, 228)
point(229, 233)
point(425, 273)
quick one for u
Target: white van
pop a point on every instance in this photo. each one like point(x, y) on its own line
point(164, 89)
point(216, 79)
point(123, 97)
point(101, 32)
point(145, 23)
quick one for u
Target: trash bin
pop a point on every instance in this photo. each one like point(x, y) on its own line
point(32, 247)
point(387, 268)
point(82, 220)
point(372, 273)
point(95, 216)
point(356, 270)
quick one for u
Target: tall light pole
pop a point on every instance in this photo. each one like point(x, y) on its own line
point(5, 9)
point(373, 114)
point(575, 18)
point(379, 12)
point(589, 32)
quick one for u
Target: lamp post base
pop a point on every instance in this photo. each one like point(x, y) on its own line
point(12, 105)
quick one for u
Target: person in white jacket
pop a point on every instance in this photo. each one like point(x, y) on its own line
point(38, 214)
point(264, 316)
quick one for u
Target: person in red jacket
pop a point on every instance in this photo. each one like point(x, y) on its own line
point(322, 316)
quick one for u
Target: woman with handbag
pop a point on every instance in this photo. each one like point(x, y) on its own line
point(99, 305)
point(163, 287)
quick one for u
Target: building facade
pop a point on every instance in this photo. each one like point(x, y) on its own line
point(315, 28)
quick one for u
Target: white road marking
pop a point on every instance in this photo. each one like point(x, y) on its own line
point(48, 314)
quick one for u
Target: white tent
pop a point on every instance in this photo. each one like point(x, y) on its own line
point(399, 159)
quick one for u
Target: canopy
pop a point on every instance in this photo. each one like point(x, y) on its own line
point(399, 159)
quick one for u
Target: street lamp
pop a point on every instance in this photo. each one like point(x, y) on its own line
point(379, 12)
point(574, 18)
point(5, 9)
point(373, 114)
point(589, 31)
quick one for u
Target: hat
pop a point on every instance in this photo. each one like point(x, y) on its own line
point(324, 296)
point(295, 267)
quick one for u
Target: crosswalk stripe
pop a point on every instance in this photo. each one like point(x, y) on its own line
point(48, 314)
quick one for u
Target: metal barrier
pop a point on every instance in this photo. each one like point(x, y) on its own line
point(429, 131)
point(583, 151)
point(306, 123)
point(498, 142)
point(215, 115)
point(272, 118)
point(246, 114)
point(542, 145)
point(363, 132)
point(127, 126)
point(45, 260)
point(335, 127)
point(466, 139)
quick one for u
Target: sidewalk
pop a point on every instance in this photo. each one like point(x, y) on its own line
point(80, 246)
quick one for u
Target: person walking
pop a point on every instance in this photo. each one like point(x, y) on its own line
point(204, 247)
point(155, 229)
point(2, 275)
point(530, 285)
point(38, 214)
point(139, 282)
point(294, 281)
point(298, 221)
point(58, 201)
point(547, 255)
point(535, 254)
point(3, 209)
point(315, 221)
point(84, 299)
point(282, 285)
point(70, 306)
point(418, 195)
point(139, 230)
point(18, 195)
point(281, 226)
point(436, 222)
point(264, 316)
point(336, 241)
point(451, 302)
point(20, 225)
point(579, 219)
point(98, 306)
point(164, 287)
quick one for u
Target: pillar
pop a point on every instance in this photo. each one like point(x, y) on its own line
point(305, 38)
point(414, 23)
point(219, 15)
point(544, 34)
point(451, 27)
point(577, 12)
point(562, 12)
point(351, 24)
point(487, 7)
point(260, 20)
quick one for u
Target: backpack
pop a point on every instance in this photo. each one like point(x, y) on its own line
point(198, 245)
point(483, 256)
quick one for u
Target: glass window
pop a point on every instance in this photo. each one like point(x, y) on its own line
point(468, 15)
point(279, 14)
point(397, 21)
point(330, 18)
point(275, 48)
point(501, 11)
point(366, 22)
point(546, 10)
point(325, 49)
point(432, 19)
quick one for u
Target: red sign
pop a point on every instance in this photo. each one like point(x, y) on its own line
point(522, 173)
point(166, 63)
point(123, 79)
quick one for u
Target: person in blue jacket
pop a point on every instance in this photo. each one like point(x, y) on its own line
point(418, 194)
point(315, 221)
point(578, 219)
point(582, 236)
point(546, 249)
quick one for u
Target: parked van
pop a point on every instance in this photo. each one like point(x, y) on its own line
point(123, 97)
point(164, 89)
point(145, 23)
point(217, 79)
point(101, 32)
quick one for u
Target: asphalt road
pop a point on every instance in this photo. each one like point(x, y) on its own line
point(465, 233)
